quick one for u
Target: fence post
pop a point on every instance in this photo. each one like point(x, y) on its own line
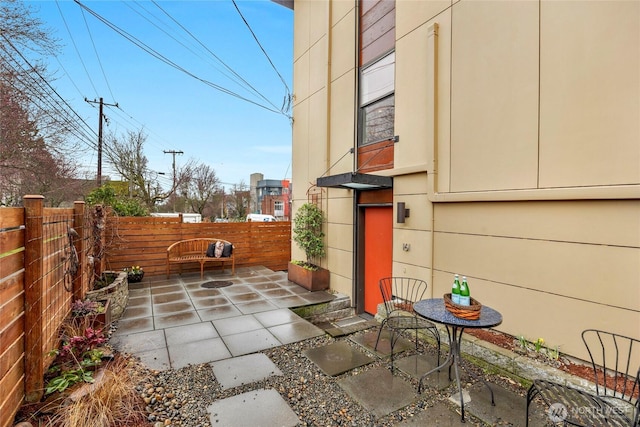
point(80, 244)
point(33, 307)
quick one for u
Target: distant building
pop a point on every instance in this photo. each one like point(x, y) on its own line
point(271, 197)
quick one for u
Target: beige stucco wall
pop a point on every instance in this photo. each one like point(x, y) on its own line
point(519, 153)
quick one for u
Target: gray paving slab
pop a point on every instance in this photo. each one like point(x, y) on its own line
point(157, 359)
point(276, 317)
point(236, 325)
point(157, 290)
point(132, 326)
point(139, 342)
point(177, 319)
point(338, 357)
point(172, 307)
point(258, 408)
point(170, 297)
point(440, 415)
point(250, 342)
point(509, 407)
point(242, 370)
point(197, 352)
point(368, 339)
point(255, 307)
point(418, 364)
point(391, 392)
point(133, 311)
point(190, 333)
point(220, 312)
point(295, 331)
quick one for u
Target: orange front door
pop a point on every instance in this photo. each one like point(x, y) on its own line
point(378, 253)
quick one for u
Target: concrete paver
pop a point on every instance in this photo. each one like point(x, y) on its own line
point(258, 408)
point(391, 392)
point(242, 370)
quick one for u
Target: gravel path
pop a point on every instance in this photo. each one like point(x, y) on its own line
point(181, 397)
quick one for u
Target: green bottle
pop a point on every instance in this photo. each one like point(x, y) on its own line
point(465, 298)
point(455, 290)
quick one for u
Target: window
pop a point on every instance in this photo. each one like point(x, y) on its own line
point(377, 101)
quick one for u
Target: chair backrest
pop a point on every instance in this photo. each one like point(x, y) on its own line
point(615, 360)
point(399, 293)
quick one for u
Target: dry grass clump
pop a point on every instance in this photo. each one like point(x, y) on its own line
point(111, 401)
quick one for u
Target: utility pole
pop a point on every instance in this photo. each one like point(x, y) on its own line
point(100, 117)
point(173, 152)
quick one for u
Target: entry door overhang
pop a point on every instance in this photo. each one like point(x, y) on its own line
point(355, 181)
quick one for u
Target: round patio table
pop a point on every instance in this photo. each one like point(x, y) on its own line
point(434, 310)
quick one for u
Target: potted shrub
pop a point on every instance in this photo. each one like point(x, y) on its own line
point(308, 235)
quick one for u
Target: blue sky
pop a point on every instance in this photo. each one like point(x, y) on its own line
point(178, 111)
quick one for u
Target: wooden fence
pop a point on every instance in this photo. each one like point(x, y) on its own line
point(143, 241)
point(36, 294)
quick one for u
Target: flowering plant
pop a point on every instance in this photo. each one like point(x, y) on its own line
point(135, 269)
point(134, 274)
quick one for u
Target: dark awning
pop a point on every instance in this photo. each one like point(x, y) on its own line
point(355, 181)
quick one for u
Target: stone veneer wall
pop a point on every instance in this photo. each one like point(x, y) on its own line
point(117, 292)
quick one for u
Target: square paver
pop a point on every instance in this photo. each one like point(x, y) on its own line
point(139, 342)
point(134, 325)
point(157, 359)
point(368, 340)
point(190, 333)
point(391, 391)
point(262, 407)
point(277, 317)
point(337, 358)
point(195, 353)
point(255, 307)
point(177, 319)
point(236, 325)
point(296, 331)
point(242, 370)
point(418, 364)
point(250, 342)
point(220, 312)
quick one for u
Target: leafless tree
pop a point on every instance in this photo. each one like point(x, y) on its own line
point(237, 202)
point(202, 187)
point(126, 155)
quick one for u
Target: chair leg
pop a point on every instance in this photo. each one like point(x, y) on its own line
point(531, 394)
point(379, 333)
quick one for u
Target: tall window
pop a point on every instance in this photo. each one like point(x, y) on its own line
point(377, 103)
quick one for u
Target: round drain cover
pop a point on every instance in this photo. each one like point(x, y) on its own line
point(216, 284)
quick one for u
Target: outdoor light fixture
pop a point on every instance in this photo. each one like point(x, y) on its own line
point(402, 213)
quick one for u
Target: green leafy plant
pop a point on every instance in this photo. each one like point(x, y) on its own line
point(75, 356)
point(86, 307)
point(308, 234)
point(538, 344)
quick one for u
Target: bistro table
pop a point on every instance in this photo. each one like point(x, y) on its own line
point(434, 310)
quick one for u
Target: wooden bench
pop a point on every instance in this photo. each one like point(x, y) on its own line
point(195, 250)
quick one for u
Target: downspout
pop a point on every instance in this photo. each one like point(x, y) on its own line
point(328, 83)
point(328, 107)
point(433, 44)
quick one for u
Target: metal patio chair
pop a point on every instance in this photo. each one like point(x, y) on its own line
point(615, 361)
point(399, 294)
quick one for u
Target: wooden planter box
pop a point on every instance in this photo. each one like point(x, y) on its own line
point(311, 280)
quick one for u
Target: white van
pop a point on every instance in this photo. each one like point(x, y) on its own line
point(260, 218)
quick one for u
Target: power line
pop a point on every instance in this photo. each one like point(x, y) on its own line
point(167, 61)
